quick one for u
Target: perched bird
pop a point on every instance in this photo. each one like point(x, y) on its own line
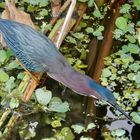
point(38, 54)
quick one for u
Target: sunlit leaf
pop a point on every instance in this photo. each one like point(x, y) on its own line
point(89, 30)
point(14, 103)
point(57, 105)
point(3, 76)
point(14, 64)
point(85, 138)
point(131, 38)
point(9, 85)
point(125, 8)
point(67, 133)
point(43, 96)
point(118, 132)
point(135, 117)
point(121, 22)
point(3, 56)
point(56, 123)
point(106, 73)
point(78, 128)
point(91, 126)
point(97, 13)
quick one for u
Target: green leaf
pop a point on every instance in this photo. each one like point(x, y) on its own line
point(13, 65)
point(43, 3)
point(138, 23)
point(89, 30)
point(67, 133)
point(85, 138)
point(134, 66)
point(97, 13)
point(133, 48)
point(125, 8)
point(78, 128)
point(131, 76)
point(118, 132)
point(79, 36)
point(135, 117)
point(131, 38)
point(71, 40)
point(106, 72)
point(43, 96)
point(83, 24)
point(43, 12)
point(3, 56)
point(90, 3)
point(56, 123)
point(14, 103)
point(9, 85)
point(118, 33)
point(121, 23)
point(101, 28)
point(3, 76)
point(31, 8)
point(91, 126)
point(97, 33)
point(100, 37)
point(20, 75)
point(57, 105)
point(2, 5)
point(136, 3)
point(137, 78)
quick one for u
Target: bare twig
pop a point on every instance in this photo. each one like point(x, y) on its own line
point(66, 23)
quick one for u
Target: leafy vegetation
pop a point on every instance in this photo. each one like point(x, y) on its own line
point(121, 73)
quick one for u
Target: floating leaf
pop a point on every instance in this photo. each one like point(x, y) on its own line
point(67, 133)
point(125, 8)
point(97, 13)
point(135, 117)
point(9, 85)
point(14, 103)
point(91, 126)
point(89, 30)
point(101, 28)
point(121, 22)
point(21, 75)
point(133, 48)
point(43, 96)
point(3, 56)
point(78, 128)
point(14, 64)
point(137, 78)
point(106, 72)
point(85, 138)
point(3, 76)
point(43, 12)
point(97, 33)
point(118, 132)
point(90, 3)
point(131, 38)
point(83, 24)
point(71, 40)
point(57, 105)
point(56, 123)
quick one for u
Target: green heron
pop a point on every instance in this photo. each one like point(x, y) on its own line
point(38, 54)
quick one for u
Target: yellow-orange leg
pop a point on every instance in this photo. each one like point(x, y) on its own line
point(35, 77)
point(30, 88)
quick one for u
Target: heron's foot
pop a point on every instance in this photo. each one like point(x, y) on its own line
point(34, 76)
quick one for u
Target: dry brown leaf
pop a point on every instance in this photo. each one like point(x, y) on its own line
point(12, 13)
